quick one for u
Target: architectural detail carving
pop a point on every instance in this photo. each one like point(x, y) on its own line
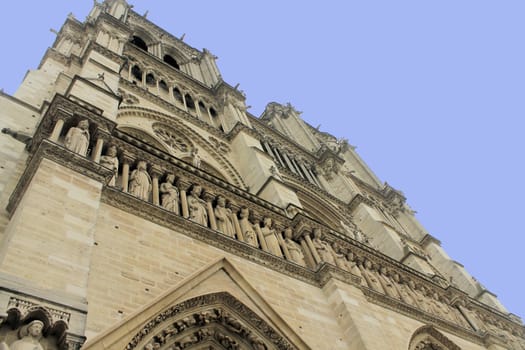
point(140, 182)
point(170, 195)
point(197, 206)
point(110, 161)
point(193, 321)
point(77, 138)
point(29, 338)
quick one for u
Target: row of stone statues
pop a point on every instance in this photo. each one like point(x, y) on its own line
point(223, 218)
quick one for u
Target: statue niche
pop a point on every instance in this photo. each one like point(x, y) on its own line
point(29, 337)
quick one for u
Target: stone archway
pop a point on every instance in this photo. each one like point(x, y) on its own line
point(211, 321)
point(429, 338)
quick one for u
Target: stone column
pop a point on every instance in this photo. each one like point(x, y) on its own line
point(126, 161)
point(289, 163)
point(235, 209)
point(183, 187)
point(208, 197)
point(155, 174)
point(57, 130)
point(310, 245)
point(97, 152)
point(279, 158)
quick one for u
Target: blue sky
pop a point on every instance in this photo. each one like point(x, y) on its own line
point(430, 92)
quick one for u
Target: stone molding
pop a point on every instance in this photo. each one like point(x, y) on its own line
point(239, 322)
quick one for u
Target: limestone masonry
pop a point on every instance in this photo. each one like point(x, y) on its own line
point(144, 208)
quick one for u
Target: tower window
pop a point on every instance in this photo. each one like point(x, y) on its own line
point(171, 61)
point(138, 42)
point(163, 86)
point(136, 73)
point(189, 102)
point(213, 113)
point(177, 95)
point(150, 79)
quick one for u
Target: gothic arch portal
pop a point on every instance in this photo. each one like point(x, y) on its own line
point(211, 321)
point(429, 338)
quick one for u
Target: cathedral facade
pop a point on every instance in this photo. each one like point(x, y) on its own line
point(143, 207)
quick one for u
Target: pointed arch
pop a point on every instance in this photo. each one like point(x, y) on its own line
point(218, 319)
point(429, 338)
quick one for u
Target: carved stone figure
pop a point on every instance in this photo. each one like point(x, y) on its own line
point(30, 338)
point(224, 217)
point(110, 161)
point(340, 257)
point(170, 195)
point(270, 236)
point(405, 293)
point(370, 276)
point(77, 138)
point(197, 206)
point(296, 253)
point(247, 228)
point(195, 158)
point(388, 286)
point(323, 248)
point(420, 295)
point(140, 182)
point(353, 268)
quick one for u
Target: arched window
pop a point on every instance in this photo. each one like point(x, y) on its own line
point(138, 42)
point(150, 79)
point(177, 95)
point(171, 61)
point(202, 109)
point(189, 102)
point(163, 86)
point(213, 113)
point(136, 72)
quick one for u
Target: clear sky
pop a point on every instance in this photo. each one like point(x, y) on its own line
point(430, 92)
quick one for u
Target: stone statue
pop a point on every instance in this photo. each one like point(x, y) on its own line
point(77, 138)
point(323, 248)
point(247, 228)
point(195, 158)
point(224, 218)
point(170, 195)
point(421, 297)
point(110, 161)
point(270, 237)
point(339, 257)
point(405, 293)
point(388, 285)
point(30, 338)
point(370, 276)
point(140, 182)
point(296, 253)
point(197, 206)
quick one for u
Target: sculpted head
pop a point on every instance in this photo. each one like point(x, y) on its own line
point(112, 151)
point(245, 212)
point(83, 124)
point(170, 178)
point(142, 165)
point(317, 233)
point(288, 233)
point(221, 201)
point(35, 328)
point(196, 191)
point(267, 222)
